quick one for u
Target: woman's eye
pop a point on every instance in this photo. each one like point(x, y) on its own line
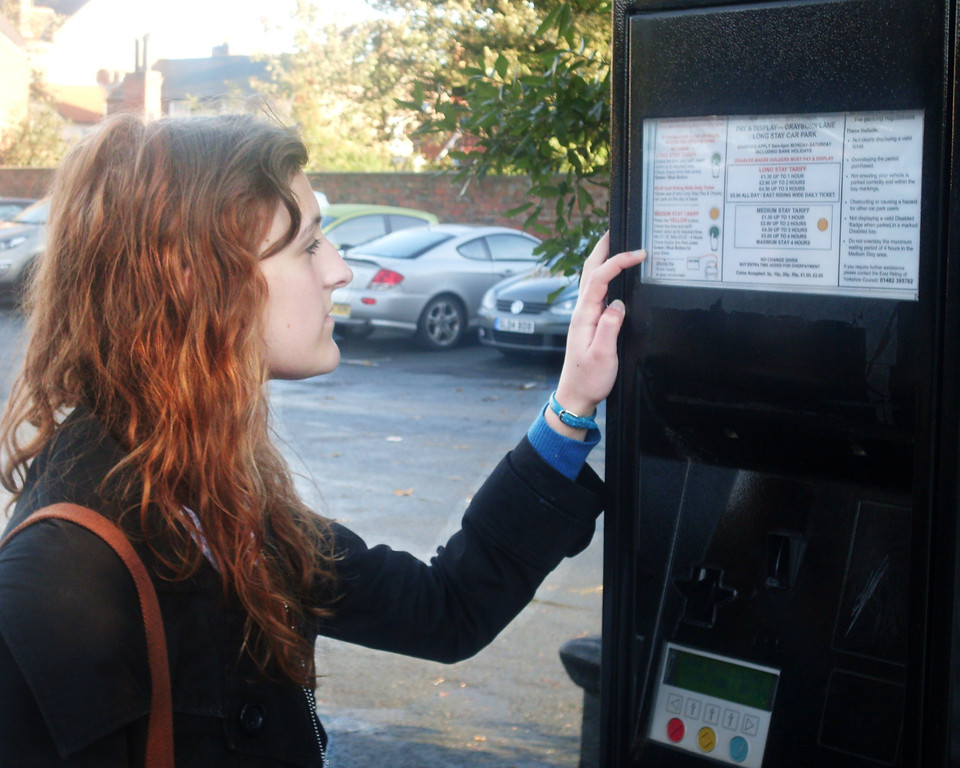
point(314, 247)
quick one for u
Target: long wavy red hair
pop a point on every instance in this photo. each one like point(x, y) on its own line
point(146, 307)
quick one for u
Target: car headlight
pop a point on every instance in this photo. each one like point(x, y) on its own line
point(564, 308)
point(12, 242)
point(489, 300)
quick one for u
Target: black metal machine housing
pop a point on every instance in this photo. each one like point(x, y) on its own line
point(783, 444)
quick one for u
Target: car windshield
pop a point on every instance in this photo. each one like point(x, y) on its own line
point(35, 214)
point(405, 243)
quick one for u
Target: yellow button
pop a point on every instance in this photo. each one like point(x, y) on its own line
point(707, 739)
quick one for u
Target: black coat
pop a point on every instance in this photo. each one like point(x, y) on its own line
point(74, 685)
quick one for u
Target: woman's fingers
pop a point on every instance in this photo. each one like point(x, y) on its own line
point(609, 325)
point(595, 281)
point(590, 366)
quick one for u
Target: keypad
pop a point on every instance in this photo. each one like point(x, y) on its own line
point(710, 726)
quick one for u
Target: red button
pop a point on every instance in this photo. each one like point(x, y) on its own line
point(675, 729)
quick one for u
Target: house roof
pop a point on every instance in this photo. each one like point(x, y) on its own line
point(77, 114)
point(207, 78)
point(81, 103)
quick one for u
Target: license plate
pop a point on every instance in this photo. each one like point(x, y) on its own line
point(340, 310)
point(513, 324)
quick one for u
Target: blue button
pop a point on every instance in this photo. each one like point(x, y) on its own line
point(739, 749)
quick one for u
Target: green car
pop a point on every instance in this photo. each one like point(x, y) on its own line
point(350, 224)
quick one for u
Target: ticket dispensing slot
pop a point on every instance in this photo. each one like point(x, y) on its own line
point(781, 569)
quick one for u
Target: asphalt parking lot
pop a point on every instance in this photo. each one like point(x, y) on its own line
point(393, 444)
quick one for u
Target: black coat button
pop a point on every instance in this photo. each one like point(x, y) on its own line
point(252, 718)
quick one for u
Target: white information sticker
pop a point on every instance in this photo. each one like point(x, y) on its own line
point(803, 203)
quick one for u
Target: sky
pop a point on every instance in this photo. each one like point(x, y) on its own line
point(102, 34)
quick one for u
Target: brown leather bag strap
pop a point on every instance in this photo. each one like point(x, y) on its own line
point(160, 725)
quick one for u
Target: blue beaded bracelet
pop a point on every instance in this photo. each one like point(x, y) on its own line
point(571, 419)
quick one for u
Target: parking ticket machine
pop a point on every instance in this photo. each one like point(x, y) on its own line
point(781, 581)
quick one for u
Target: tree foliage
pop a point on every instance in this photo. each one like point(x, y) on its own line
point(341, 85)
point(485, 86)
point(37, 139)
point(541, 110)
point(38, 23)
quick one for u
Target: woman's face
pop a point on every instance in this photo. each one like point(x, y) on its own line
point(301, 277)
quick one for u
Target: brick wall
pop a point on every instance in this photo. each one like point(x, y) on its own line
point(24, 182)
point(479, 202)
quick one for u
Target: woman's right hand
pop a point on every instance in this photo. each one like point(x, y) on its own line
point(590, 365)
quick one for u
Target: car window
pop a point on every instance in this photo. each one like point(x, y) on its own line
point(358, 230)
point(398, 221)
point(512, 248)
point(405, 244)
point(7, 212)
point(474, 249)
point(35, 214)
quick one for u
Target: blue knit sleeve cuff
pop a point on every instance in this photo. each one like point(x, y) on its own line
point(564, 454)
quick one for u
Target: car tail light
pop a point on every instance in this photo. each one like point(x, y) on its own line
point(385, 278)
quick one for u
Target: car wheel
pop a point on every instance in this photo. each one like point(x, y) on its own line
point(442, 323)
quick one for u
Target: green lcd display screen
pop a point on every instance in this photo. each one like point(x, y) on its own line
point(725, 680)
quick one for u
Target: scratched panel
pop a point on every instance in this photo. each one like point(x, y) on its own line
point(872, 620)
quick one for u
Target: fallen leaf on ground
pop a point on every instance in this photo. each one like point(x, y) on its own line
point(587, 590)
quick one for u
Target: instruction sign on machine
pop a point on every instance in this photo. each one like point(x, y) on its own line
point(825, 203)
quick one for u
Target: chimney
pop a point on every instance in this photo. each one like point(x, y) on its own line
point(141, 90)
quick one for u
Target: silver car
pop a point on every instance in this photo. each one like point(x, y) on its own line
point(429, 280)
point(11, 206)
point(21, 240)
point(530, 313)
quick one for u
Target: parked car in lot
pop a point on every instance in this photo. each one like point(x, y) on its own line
point(347, 225)
point(322, 201)
point(429, 280)
point(20, 242)
point(529, 313)
point(11, 206)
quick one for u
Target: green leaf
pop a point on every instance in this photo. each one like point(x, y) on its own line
point(549, 22)
point(564, 19)
point(517, 211)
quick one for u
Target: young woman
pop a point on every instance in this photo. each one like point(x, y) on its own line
point(185, 267)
